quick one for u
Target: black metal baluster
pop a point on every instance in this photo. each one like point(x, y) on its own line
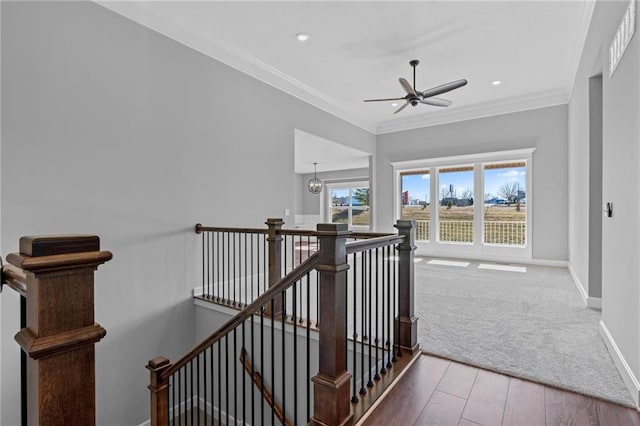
point(191, 382)
point(273, 357)
point(308, 347)
point(354, 397)
point(220, 382)
point(203, 261)
point(213, 385)
point(396, 325)
point(235, 375)
point(198, 387)
point(172, 399)
point(179, 401)
point(226, 375)
point(234, 301)
point(371, 340)
point(295, 356)
point(262, 364)
point(284, 364)
point(383, 369)
point(217, 286)
point(245, 271)
point(377, 339)
point(265, 276)
point(252, 298)
point(284, 255)
point(301, 287)
point(253, 402)
point(210, 278)
point(244, 389)
point(204, 379)
point(228, 254)
point(363, 390)
point(389, 316)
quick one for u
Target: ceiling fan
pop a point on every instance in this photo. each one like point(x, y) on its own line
point(415, 97)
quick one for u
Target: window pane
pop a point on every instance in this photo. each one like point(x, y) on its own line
point(415, 201)
point(340, 201)
point(505, 203)
point(455, 210)
point(360, 207)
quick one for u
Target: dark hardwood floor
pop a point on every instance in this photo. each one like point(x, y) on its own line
point(441, 392)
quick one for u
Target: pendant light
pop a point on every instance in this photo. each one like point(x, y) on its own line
point(315, 184)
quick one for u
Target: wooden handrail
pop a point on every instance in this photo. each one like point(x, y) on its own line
point(15, 278)
point(199, 229)
point(372, 243)
point(286, 282)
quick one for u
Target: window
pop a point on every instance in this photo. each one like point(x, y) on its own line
point(349, 203)
point(470, 205)
point(505, 203)
point(455, 207)
point(415, 200)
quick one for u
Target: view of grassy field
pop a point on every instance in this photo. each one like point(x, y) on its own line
point(491, 213)
point(503, 224)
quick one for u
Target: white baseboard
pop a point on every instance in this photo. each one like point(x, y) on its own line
point(576, 281)
point(589, 302)
point(594, 303)
point(628, 377)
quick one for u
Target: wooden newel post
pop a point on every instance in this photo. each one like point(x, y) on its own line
point(406, 321)
point(331, 402)
point(274, 240)
point(159, 391)
point(61, 333)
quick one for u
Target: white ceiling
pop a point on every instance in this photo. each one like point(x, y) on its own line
point(358, 50)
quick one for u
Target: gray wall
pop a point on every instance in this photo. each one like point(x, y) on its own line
point(544, 129)
point(110, 128)
point(620, 178)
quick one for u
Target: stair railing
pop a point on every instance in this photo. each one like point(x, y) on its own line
point(365, 333)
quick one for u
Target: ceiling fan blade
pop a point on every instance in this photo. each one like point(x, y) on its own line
point(434, 91)
point(407, 87)
point(383, 100)
point(437, 102)
point(402, 107)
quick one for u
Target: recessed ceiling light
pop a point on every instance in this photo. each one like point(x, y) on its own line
point(302, 37)
point(496, 83)
point(394, 104)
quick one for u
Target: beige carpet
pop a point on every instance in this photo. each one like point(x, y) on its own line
point(529, 324)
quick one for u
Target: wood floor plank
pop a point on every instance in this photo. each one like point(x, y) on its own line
point(565, 408)
point(487, 399)
point(458, 380)
point(403, 405)
point(525, 404)
point(611, 414)
point(442, 409)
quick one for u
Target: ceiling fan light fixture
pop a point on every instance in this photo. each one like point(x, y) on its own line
point(394, 104)
point(496, 82)
point(302, 37)
point(315, 184)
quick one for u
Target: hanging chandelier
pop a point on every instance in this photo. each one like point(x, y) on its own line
point(315, 184)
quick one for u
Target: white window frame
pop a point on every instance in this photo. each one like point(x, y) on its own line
point(477, 249)
point(354, 184)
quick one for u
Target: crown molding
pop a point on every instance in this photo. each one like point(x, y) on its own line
point(235, 58)
point(479, 110)
point(243, 62)
point(580, 41)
